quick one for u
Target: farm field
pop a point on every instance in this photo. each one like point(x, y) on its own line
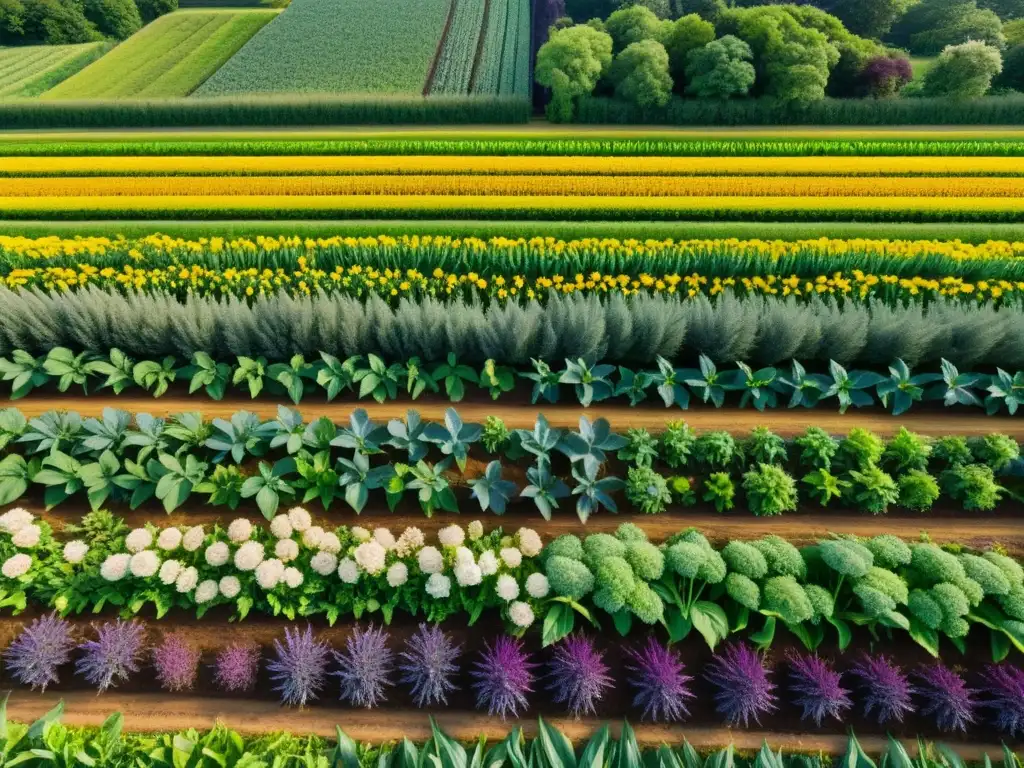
point(170, 57)
point(30, 70)
point(300, 53)
point(734, 400)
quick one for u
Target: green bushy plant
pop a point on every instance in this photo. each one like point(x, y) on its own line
point(770, 490)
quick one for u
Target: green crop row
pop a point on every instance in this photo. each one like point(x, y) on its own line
point(454, 66)
point(325, 111)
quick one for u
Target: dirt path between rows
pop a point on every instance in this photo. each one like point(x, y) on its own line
point(785, 422)
point(800, 528)
point(155, 712)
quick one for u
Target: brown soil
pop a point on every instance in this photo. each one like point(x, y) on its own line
point(519, 415)
point(155, 712)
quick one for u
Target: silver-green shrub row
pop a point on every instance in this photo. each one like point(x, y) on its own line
point(110, 459)
point(628, 331)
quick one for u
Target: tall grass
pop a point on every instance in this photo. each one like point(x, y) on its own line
point(992, 110)
point(263, 111)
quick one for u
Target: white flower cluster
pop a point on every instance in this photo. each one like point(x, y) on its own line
point(224, 563)
point(20, 525)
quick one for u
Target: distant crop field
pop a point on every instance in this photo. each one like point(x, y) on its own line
point(503, 66)
point(338, 46)
point(169, 57)
point(32, 69)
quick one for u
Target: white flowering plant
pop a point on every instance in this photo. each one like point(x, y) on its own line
point(26, 550)
point(289, 567)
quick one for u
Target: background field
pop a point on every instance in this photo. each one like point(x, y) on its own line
point(169, 57)
point(29, 70)
point(343, 46)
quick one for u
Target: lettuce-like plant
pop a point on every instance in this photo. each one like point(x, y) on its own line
point(545, 382)
point(454, 438)
point(591, 382)
point(491, 491)
point(594, 493)
point(455, 377)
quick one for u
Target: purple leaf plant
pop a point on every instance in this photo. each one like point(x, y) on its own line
point(819, 688)
point(744, 690)
point(116, 653)
point(946, 697)
point(236, 666)
point(365, 667)
point(36, 655)
point(503, 677)
point(661, 686)
point(1005, 687)
point(886, 690)
point(429, 662)
point(176, 663)
point(577, 675)
point(301, 664)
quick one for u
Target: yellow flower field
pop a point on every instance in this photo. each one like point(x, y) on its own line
point(514, 165)
point(561, 186)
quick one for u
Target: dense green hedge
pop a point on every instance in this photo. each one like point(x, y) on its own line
point(1002, 110)
point(267, 110)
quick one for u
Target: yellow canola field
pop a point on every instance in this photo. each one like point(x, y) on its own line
point(400, 204)
point(568, 186)
point(526, 166)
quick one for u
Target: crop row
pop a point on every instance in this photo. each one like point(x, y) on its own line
point(684, 585)
point(110, 460)
point(537, 207)
point(357, 165)
point(454, 65)
point(630, 331)
point(585, 147)
point(508, 185)
point(549, 749)
point(371, 376)
point(430, 665)
point(293, 257)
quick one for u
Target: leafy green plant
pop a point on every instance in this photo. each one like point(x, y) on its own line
point(409, 436)
point(669, 383)
point(495, 434)
point(764, 447)
point(224, 487)
point(807, 389)
point(119, 370)
point(719, 491)
point(491, 491)
point(632, 385)
point(903, 389)
point(24, 372)
point(207, 374)
point(454, 438)
point(906, 451)
point(706, 382)
point(432, 487)
point(418, 378)
point(376, 379)
point(540, 441)
point(758, 387)
point(872, 489)
point(318, 478)
point(544, 488)
point(497, 379)
point(641, 447)
point(770, 490)
point(955, 388)
point(455, 377)
point(850, 387)
point(817, 448)
point(545, 381)
point(647, 490)
point(245, 434)
point(591, 382)
point(678, 442)
point(917, 490)
point(824, 486)
point(973, 485)
point(592, 443)
point(334, 375)
point(269, 486)
point(716, 450)
point(996, 450)
point(861, 448)
point(362, 434)
point(357, 479)
point(156, 377)
point(293, 376)
point(68, 368)
point(176, 478)
point(1005, 391)
point(594, 492)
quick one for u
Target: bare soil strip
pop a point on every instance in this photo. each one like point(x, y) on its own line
point(155, 712)
point(522, 415)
